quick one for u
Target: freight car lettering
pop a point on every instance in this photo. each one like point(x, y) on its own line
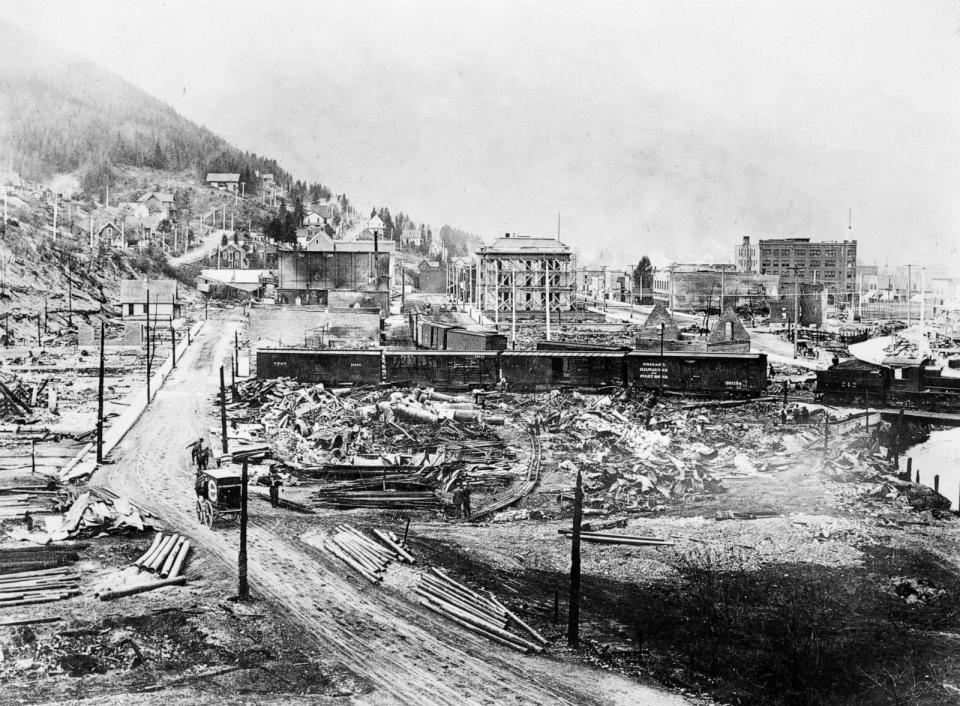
point(649, 371)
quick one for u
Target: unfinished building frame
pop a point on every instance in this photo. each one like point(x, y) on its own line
point(525, 275)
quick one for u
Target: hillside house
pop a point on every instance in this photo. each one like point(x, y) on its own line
point(223, 181)
point(165, 303)
point(233, 256)
point(411, 237)
point(111, 235)
point(313, 218)
point(373, 229)
point(158, 202)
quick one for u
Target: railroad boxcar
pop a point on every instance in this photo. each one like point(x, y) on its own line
point(331, 367)
point(433, 335)
point(576, 346)
point(706, 374)
point(461, 339)
point(550, 370)
point(442, 369)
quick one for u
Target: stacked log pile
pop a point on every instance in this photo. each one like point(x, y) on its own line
point(482, 615)
point(165, 559)
point(367, 557)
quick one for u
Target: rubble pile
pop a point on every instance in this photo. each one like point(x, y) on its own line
point(97, 511)
point(386, 448)
point(635, 453)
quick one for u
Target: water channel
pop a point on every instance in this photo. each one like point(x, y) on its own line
point(940, 454)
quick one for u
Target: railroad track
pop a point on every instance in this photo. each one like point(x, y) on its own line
point(518, 490)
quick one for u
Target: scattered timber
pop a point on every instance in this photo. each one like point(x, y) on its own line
point(478, 614)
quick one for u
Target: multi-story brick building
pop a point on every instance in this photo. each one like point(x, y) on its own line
point(832, 263)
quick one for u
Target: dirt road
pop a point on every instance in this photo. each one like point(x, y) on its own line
point(406, 654)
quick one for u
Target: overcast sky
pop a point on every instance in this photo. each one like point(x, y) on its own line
point(670, 128)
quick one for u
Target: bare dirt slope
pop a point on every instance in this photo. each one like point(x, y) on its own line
point(408, 656)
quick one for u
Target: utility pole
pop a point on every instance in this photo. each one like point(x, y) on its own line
point(923, 298)
point(39, 343)
point(236, 353)
point(909, 283)
point(100, 400)
point(513, 298)
point(496, 295)
point(796, 309)
point(573, 616)
point(546, 267)
point(148, 346)
point(173, 345)
point(70, 296)
point(223, 412)
point(243, 590)
point(662, 328)
point(55, 202)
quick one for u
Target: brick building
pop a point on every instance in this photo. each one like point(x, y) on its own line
point(831, 263)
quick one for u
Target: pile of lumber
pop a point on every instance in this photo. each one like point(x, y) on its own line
point(31, 558)
point(41, 586)
point(608, 538)
point(485, 616)
point(368, 557)
point(16, 505)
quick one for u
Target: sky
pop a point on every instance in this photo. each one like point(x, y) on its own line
point(667, 128)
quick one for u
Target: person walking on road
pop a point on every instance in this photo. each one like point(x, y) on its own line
point(458, 502)
point(275, 484)
point(465, 501)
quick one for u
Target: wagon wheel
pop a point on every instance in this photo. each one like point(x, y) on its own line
point(199, 511)
point(208, 515)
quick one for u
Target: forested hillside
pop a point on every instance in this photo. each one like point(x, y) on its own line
point(61, 113)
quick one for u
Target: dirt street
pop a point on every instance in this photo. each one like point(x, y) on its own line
point(406, 654)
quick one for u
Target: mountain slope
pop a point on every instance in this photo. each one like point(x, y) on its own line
point(61, 113)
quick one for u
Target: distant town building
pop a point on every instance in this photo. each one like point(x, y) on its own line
point(713, 290)
point(223, 180)
point(433, 277)
point(702, 267)
point(111, 235)
point(531, 267)
point(747, 256)
point(164, 299)
point(233, 284)
point(830, 263)
point(336, 274)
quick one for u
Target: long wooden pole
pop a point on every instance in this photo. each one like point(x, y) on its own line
point(573, 621)
point(223, 411)
point(148, 346)
point(243, 589)
point(100, 400)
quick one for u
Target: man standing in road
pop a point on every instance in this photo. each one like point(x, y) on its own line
point(465, 502)
point(275, 484)
point(458, 502)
